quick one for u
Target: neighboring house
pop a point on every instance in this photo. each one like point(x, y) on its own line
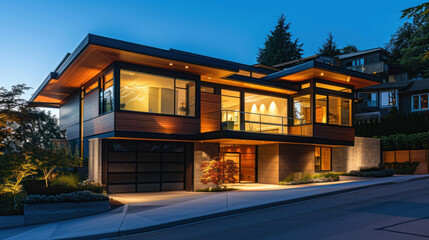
point(147, 117)
point(407, 96)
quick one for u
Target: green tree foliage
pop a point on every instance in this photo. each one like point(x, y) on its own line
point(279, 46)
point(350, 48)
point(410, 43)
point(13, 169)
point(329, 47)
point(22, 126)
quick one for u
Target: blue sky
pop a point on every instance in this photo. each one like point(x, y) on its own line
point(35, 35)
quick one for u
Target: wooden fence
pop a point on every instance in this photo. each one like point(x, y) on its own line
point(421, 156)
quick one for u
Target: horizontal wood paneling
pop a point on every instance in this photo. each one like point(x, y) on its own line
point(72, 132)
point(98, 125)
point(210, 112)
point(90, 105)
point(146, 122)
point(302, 130)
point(69, 111)
point(334, 132)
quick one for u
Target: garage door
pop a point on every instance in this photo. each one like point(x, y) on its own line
point(134, 166)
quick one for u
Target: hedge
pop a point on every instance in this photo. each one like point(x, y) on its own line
point(402, 168)
point(405, 142)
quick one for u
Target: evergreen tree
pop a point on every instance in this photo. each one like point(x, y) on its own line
point(279, 46)
point(349, 49)
point(329, 47)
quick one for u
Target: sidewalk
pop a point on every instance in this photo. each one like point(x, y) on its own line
point(140, 217)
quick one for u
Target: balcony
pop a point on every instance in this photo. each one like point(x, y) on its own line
point(257, 123)
point(371, 68)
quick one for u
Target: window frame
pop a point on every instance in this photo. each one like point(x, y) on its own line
point(381, 98)
point(420, 106)
point(164, 73)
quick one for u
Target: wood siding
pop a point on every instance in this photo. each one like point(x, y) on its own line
point(210, 112)
point(146, 122)
point(334, 132)
point(69, 116)
point(102, 124)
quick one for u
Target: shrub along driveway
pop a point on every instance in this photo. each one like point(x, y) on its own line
point(140, 217)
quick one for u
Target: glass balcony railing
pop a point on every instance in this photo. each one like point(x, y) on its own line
point(262, 123)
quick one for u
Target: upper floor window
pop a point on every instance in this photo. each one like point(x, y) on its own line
point(420, 102)
point(106, 93)
point(340, 111)
point(333, 87)
point(302, 110)
point(388, 98)
point(230, 109)
point(144, 92)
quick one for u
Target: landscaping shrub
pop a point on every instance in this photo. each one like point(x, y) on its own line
point(403, 168)
point(11, 204)
point(37, 187)
point(371, 169)
point(315, 178)
point(405, 142)
point(79, 196)
point(69, 179)
point(379, 173)
point(222, 189)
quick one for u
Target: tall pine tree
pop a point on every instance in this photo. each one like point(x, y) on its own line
point(279, 46)
point(329, 47)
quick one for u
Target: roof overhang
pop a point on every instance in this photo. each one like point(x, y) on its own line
point(314, 69)
point(95, 53)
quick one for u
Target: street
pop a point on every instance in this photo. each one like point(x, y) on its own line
point(398, 211)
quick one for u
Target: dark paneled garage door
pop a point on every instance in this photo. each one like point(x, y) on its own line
point(134, 166)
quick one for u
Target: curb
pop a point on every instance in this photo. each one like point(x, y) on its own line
point(254, 208)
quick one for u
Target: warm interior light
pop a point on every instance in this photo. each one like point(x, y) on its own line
point(171, 64)
point(210, 78)
point(348, 79)
point(186, 67)
point(321, 74)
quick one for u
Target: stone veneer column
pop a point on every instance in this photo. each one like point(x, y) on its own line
point(94, 159)
point(203, 152)
point(364, 153)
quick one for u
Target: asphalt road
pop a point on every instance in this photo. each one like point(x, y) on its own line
point(399, 211)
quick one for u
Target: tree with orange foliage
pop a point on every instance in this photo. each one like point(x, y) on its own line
point(218, 171)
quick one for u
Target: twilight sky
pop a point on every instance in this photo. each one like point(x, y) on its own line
point(35, 35)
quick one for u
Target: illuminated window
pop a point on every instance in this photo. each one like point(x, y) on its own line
point(340, 111)
point(265, 113)
point(333, 88)
point(305, 85)
point(230, 109)
point(302, 110)
point(388, 98)
point(322, 159)
point(106, 93)
point(420, 102)
point(321, 103)
point(205, 89)
point(91, 87)
point(143, 92)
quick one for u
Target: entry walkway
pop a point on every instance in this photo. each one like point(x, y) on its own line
point(140, 217)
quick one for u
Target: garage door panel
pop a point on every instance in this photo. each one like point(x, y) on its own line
point(122, 188)
point(172, 167)
point(148, 177)
point(121, 146)
point(122, 178)
point(149, 167)
point(121, 167)
point(173, 177)
point(149, 157)
point(173, 157)
point(122, 156)
point(149, 187)
point(173, 186)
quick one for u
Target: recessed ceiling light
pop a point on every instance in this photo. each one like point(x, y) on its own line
point(210, 78)
point(171, 64)
point(186, 66)
point(321, 74)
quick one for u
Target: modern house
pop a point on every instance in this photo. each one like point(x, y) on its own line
point(406, 96)
point(147, 117)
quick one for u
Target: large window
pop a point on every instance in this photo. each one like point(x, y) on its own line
point(230, 109)
point(420, 102)
point(322, 159)
point(321, 105)
point(265, 113)
point(388, 98)
point(370, 99)
point(106, 93)
point(340, 111)
point(302, 110)
point(143, 92)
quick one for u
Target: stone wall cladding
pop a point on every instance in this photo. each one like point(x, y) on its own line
point(203, 152)
point(364, 153)
point(268, 164)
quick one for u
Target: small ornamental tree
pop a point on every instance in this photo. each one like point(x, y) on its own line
point(218, 171)
point(14, 168)
point(49, 160)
